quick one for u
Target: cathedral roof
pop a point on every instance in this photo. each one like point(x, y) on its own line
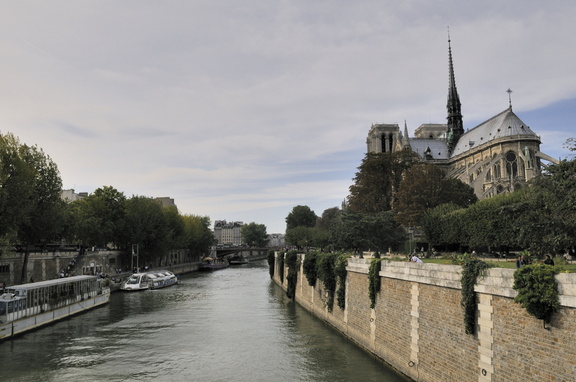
point(436, 148)
point(505, 124)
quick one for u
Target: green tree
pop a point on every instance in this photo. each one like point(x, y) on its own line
point(254, 235)
point(425, 186)
point(198, 237)
point(360, 231)
point(377, 180)
point(328, 217)
point(145, 224)
point(301, 216)
point(300, 236)
point(100, 217)
point(30, 188)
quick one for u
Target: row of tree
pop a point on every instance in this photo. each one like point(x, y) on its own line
point(33, 213)
point(540, 218)
point(391, 192)
point(395, 192)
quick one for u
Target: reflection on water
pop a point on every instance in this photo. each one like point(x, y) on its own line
point(229, 325)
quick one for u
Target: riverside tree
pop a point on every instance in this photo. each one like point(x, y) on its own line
point(31, 209)
point(254, 235)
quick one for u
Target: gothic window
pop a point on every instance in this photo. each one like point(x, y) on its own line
point(489, 175)
point(390, 142)
point(511, 164)
point(497, 172)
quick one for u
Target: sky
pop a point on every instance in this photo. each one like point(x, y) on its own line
point(242, 110)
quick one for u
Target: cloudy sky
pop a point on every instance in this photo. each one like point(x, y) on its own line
point(241, 110)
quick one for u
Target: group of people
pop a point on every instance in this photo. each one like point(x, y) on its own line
point(521, 261)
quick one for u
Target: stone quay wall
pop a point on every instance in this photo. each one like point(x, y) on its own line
point(417, 325)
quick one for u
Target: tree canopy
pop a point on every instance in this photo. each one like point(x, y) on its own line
point(254, 235)
point(301, 216)
point(426, 186)
point(378, 178)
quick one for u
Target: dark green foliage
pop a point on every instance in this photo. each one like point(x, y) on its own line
point(301, 216)
point(309, 268)
point(362, 231)
point(281, 266)
point(341, 273)
point(327, 275)
point(471, 270)
point(374, 281)
point(292, 278)
point(271, 261)
point(537, 290)
point(378, 176)
point(254, 235)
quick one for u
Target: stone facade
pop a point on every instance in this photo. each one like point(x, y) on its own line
point(498, 156)
point(417, 325)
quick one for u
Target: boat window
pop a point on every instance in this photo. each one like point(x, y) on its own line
point(2, 308)
point(133, 280)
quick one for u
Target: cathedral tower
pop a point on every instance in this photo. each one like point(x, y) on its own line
point(455, 125)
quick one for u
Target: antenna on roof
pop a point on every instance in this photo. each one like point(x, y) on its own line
point(509, 91)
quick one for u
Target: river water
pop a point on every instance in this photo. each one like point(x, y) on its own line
point(229, 325)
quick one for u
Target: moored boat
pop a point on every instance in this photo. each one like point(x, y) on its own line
point(30, 306)
point(149, 280)
point(210, 264)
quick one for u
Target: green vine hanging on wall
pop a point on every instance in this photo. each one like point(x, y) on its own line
point(537, 290)
point(327, 275)
point(374, 280)
point(281, 266)
point(271, 260)
point(341, 273)
point(471, 270)
point(292, 263)
point(309, 268)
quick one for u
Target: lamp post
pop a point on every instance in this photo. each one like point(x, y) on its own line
point(135, 253)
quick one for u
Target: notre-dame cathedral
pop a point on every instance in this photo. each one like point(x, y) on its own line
point(498, 156)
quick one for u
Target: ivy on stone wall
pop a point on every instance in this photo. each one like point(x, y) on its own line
point(471, 269)
point(326, 274)
point(271, 260)
point(341, 273)
point(281, 266)
point(293, 264)
point(537, 290)
point(309, 268)
point(374, 280)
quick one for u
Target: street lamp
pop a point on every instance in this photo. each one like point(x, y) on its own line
point(135, 253)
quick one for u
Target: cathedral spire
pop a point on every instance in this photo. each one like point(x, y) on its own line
point(406, 141)
point(455, 125)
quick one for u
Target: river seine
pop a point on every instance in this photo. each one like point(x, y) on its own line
point(229, 325)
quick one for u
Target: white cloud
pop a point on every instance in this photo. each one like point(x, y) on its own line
point(242, 110)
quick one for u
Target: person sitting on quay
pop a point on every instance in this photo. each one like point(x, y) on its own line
point(548, 260)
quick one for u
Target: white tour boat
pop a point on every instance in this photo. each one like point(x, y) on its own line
point(149, 280)
point(29, 306)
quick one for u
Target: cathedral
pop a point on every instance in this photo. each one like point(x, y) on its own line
point(498, 156)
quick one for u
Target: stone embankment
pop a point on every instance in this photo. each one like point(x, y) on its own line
point(417, 325)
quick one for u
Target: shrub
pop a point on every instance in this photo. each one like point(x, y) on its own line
point(374, 281)
point(292, 263)
point(537, 290)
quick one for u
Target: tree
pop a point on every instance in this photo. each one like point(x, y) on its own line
point(361, 231)
point(328, 217)
point(198, 237)
point(377, 180)
point(425, 186)
point(100, 217)
point(300, 236)
point(30, 188)
point(254, 235)
point(145, 224)
point(301, 216)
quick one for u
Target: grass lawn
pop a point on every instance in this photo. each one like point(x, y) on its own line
point(510, 264)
